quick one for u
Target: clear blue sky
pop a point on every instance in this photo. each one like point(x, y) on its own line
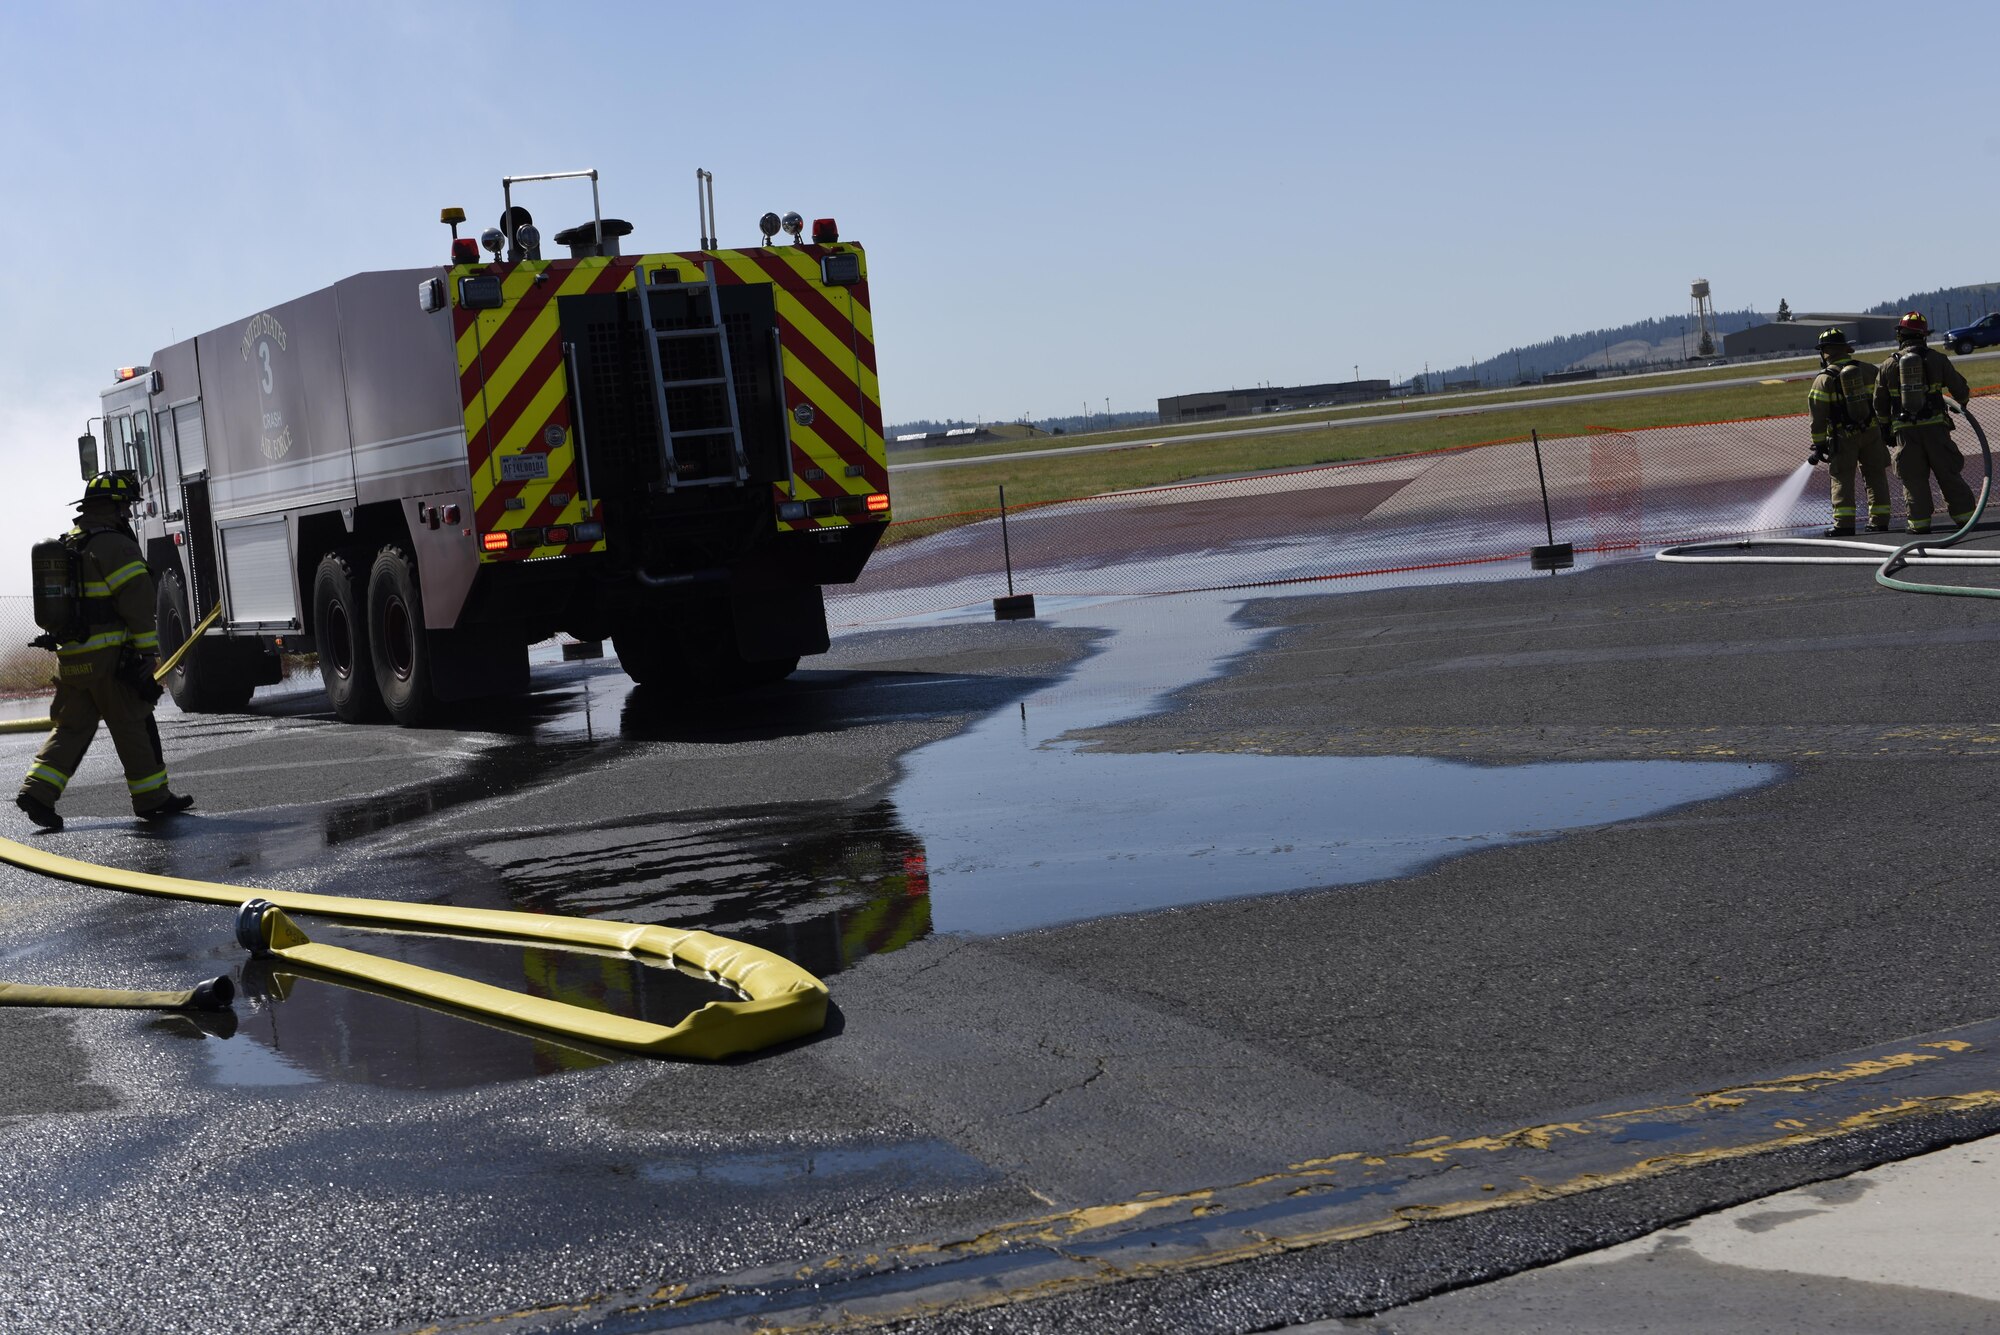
point(1063, 202)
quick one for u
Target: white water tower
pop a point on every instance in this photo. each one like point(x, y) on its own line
point(1702, 316)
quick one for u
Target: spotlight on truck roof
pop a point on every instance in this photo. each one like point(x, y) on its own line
point(768, 225)
point(793, 225)
point(494, 240)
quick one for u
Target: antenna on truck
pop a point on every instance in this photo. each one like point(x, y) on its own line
point(704, 203)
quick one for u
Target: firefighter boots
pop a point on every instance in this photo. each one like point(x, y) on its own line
point(38, 811)
point(174, 804)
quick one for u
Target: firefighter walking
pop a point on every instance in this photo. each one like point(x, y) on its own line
point(106, 656)
point(1909, 400)
point(1844, 434)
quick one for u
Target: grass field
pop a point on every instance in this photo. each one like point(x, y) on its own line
point(930, 493)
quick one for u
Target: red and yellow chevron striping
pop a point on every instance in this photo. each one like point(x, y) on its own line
point(520, 443)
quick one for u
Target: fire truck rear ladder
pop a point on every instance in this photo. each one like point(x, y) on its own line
point(714, 334)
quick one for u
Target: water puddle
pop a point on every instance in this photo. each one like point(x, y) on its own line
point(1025, 830)
point(294, 1027)
point(823, 884)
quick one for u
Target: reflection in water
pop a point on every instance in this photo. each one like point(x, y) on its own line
point(302, 1028)
point(822, 884)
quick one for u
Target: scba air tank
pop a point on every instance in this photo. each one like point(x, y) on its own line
point(1910, 377)
point(57, 599)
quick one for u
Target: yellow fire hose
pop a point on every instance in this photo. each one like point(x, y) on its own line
point(213, 995)
point(781, 1001)
point(159, 674)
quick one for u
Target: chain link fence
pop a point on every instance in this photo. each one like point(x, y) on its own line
point(1471, 512)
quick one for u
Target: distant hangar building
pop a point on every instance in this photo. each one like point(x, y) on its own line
point(1267, 399)
point(1802, 334)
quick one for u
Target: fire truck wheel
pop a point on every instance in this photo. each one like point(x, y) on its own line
point(340, 628)
point(210, 680)
point(397, 645)
point(688, 648)
point(644, 655)
point(767, 671)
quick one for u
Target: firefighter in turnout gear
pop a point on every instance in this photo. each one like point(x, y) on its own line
point(1909, 401)
point(106, 659)
point(1844, 434)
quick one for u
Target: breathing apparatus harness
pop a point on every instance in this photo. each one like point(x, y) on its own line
point(61, 610)
point(1840, 414)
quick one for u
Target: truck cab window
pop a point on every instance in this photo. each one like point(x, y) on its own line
point(142, 444)
point(121, 457)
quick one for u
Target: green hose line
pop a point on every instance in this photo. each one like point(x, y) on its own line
point(159, 674)
point(780, 1000)
point(1829, 551)
point(1886, 577)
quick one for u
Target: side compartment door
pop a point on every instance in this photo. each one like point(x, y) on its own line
point(191, 443)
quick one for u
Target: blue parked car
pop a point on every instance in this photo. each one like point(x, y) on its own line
point(1979, 334)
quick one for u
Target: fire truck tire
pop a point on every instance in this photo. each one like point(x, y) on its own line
point(340, 629)
point(768, 671)
point(690, 648)
point(212, 678)
point(397, 644)
point(645, 655)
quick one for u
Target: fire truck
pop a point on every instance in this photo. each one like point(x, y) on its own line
point(417, 474)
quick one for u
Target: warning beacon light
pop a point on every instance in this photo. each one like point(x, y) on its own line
point(464, 250)
point(793, 225)
point(825, 231)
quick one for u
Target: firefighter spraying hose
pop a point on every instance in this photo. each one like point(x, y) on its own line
point(1923, 551)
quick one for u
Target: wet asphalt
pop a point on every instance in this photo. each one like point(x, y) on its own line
point(341, 1161)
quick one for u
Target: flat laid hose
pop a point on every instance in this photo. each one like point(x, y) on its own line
point(213, 995)
point(780, 1001)
point(1924, 551)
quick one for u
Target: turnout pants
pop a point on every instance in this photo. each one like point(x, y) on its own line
point(88, 690)
point(1924, 451)
point(1865, 451)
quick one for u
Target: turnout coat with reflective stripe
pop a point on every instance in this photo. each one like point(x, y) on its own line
point(117, 596)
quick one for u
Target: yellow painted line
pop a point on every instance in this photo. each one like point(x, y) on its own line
point(1266, 1245)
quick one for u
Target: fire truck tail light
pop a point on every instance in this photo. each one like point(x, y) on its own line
point(825, 231)
point(878, 501)
point(494, 542)
point(587, 532)
point(792, 510)
point(556, 535)
point(526, 537)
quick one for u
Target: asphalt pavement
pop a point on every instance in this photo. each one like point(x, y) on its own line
point(1524, 1043)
